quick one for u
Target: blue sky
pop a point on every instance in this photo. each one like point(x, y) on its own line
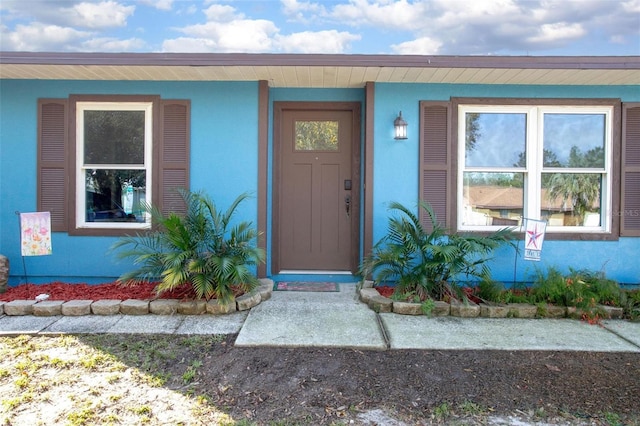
point(429, 27)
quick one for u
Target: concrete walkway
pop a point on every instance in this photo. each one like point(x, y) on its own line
point(295, 319)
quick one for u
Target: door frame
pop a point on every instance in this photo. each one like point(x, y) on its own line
point(278, 110)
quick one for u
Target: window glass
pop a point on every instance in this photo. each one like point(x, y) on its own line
point(492, 198)
point(564, 177)
point(571, 199)
point(574, 140)
point(115, 195)
point(495, 140)
point(114, 137)
point(316, 136)
point(114, 164)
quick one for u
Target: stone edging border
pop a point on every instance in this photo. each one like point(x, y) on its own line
point(381, 304)
point(137, 306)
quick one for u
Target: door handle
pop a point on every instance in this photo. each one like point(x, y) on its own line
point(347, 204)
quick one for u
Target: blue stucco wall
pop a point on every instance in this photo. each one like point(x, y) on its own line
point(224, 155)
point(224, 120)
point(396, 166)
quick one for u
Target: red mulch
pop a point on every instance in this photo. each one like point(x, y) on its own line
point(385, 290)
point(112, 290)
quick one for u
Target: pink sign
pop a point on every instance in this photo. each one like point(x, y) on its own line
point(35, 233)
point(533, 239)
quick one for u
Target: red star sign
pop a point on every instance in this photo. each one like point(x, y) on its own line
point(533, 237)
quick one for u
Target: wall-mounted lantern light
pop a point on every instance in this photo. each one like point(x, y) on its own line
point(400, 127)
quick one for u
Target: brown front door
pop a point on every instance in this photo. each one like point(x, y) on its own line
point(316, 210)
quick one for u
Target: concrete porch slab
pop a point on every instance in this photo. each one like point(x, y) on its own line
point(295, 319)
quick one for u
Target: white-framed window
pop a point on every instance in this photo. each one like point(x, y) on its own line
point(544, 162)
point(113, 164)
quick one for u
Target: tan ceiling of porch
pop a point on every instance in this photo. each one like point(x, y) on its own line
point(322, 71)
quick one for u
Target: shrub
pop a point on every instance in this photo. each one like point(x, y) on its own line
point(490, 291)
point(428, 263)
point(630, 301)
point(580, 288)
point(552, 287)
point(201, 249)
point(607, 291)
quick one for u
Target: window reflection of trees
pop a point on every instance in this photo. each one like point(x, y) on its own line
point(578, 193)
point(113, 138)
point(316, 136)
point(581, 192)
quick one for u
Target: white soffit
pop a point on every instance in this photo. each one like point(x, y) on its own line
point(340, 71)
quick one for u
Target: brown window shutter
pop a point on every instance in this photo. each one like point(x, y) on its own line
point(630, 176)
point(173, 170)
point(435, 160)
point(52, 154)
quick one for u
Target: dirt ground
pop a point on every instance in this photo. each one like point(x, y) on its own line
point(102, 377)
point(323, 385)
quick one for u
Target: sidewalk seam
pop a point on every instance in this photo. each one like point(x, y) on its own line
point(620, 336)
point(383, 331)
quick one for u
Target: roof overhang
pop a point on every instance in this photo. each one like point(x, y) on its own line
point(323, 71)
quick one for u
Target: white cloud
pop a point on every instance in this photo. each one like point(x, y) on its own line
point(68, 13)
point(227, 30)
point(108, 44)
point(631, 6)
point(39, 37)
point(413, 26)
point(383, 14)
point(491, 12)
point(489, 26)
point(557, 33)
point(303, 12)
point(420, 46)
point(221, 13)
point(159, 4)
point(105, 14)
point(189, 45)
point(316, 42)
point(234, 36)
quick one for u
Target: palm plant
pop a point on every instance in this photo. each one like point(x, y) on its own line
point(429, 263)
point(200, 248)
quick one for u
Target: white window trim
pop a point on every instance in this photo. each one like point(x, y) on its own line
point(534, 168)
point(81, 107)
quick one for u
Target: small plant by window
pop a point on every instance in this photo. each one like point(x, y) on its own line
point(427, 264)
point(201, 249)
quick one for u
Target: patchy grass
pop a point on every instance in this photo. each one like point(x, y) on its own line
point(99, 379)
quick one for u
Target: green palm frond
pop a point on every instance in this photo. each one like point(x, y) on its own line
point(427, 263)
point(200, 248)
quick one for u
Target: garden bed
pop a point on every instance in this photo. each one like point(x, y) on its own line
point(113, 298)
point(379, 299)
